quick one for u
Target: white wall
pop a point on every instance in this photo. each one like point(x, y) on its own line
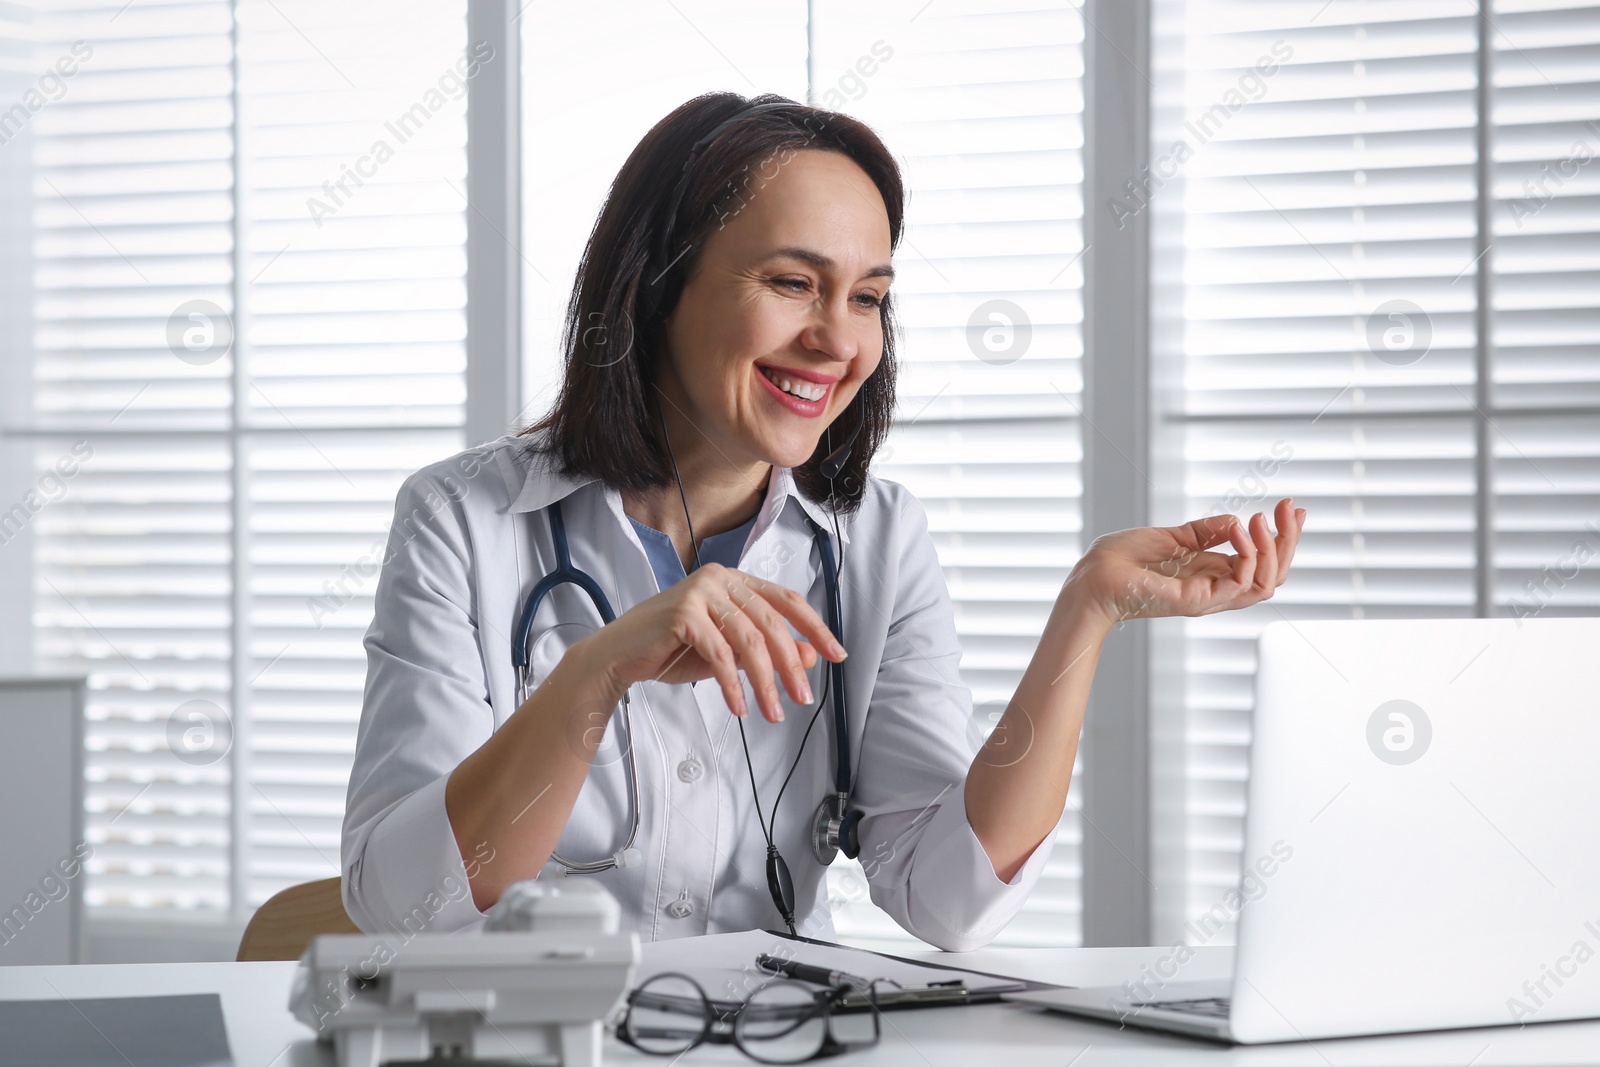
point(16, 347)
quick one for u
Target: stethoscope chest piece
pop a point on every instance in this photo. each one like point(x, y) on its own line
point(834, 830)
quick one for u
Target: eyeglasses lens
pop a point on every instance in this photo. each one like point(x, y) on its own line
point(667, 1015)
point(782, 1022)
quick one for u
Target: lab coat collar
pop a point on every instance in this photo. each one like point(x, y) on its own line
point(543, 485)
point(780, 490)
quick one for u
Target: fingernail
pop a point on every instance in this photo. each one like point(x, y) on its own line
point(777, 713)
point(742, 709)
point(838, 650)
point(805, 692)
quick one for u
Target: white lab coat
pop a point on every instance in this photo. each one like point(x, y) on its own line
point(468, 543)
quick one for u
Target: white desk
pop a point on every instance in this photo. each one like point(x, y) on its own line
point(264, 1034)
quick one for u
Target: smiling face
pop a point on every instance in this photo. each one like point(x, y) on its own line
point(778, 324)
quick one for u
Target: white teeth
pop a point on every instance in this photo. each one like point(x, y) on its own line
point(803, 390)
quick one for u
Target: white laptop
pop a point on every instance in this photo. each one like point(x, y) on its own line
point(1422, 846)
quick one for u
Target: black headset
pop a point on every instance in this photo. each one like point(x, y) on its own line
point(835, 825)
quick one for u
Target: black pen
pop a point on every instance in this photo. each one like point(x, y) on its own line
point(806, 972)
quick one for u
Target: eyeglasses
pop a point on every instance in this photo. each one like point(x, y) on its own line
point(783, 1021)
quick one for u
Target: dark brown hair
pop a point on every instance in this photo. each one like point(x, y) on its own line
point(603, 423)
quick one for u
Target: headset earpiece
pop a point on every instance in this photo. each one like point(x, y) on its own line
point(659, 270)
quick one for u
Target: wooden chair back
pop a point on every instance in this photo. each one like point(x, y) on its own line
point(283, 926)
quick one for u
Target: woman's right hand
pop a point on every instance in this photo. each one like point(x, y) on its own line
point(716, 623)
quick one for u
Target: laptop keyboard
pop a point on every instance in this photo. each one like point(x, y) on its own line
point(1215, 1007)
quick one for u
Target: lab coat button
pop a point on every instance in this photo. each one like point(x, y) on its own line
point(690, 770)
point(680, 908)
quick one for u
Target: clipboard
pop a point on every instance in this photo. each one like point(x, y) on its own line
point(724, 965)
point(939, 994)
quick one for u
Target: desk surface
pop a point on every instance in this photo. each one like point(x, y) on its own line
point(264, 1034)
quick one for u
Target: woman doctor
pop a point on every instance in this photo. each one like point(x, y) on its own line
point(729, 344)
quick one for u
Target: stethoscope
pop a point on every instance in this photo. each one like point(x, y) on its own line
point(834, 826)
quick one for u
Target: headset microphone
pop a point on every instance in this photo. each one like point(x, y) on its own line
point(834, 461)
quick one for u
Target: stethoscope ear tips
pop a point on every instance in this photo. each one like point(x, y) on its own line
point(629, 857)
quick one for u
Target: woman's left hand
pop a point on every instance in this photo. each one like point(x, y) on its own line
point(1161, 571)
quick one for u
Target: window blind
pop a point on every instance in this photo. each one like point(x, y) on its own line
point(355, 157)
point(249, 261)
point(1327, 302)
point(132, 566)
point(1546, 371)
point(983, 104)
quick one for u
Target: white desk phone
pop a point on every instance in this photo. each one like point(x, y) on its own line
point(536, 986)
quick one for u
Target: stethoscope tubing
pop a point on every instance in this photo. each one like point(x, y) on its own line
point(565, 573)
point(841, 728)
